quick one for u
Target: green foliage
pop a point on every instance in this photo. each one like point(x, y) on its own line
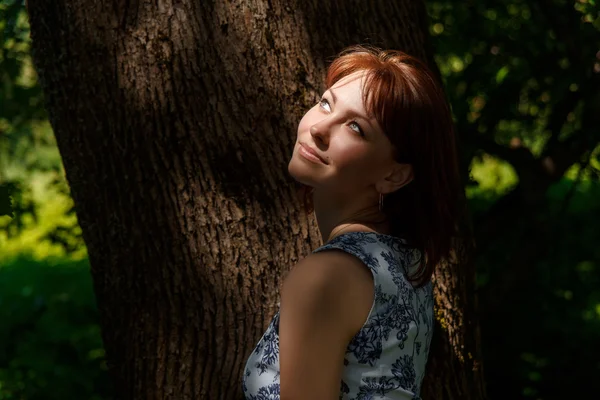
point(524, 75)
point(519, 72)
point(540, 339)
point(50, 344)
point(5, 200)
point(45, 224)
point(25, 138)
point(20, 95)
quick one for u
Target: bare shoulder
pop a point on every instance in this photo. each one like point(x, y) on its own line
point(339, 277)
point(333, 266)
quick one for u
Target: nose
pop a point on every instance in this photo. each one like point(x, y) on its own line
point(320, 131)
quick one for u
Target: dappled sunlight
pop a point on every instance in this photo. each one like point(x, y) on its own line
point(33, 237)
point(492, 175)
point(520, 79)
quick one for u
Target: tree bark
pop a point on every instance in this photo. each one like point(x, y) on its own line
point(175, 121)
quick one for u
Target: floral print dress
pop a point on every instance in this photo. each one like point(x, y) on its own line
point(386, 359)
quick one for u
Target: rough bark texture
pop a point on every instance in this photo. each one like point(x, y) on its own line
point(175, 121)
point(454, 369)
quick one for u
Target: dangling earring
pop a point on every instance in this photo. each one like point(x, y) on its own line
point(380, 201)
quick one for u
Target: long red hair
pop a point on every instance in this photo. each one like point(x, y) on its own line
point(410, 105)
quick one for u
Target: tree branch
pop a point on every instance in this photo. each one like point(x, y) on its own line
point(588, 88)
point(519, 157)
point(560, 156)
point(559, 114)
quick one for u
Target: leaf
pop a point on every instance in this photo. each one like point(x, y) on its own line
point(501, 74)
point(5, 200)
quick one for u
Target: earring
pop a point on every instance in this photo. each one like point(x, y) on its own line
point(380, 201)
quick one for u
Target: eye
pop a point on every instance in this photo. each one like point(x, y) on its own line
point(324, 103)
point(356, 127)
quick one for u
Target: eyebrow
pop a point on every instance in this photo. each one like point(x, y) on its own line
point(333, 95)
point(353, 111)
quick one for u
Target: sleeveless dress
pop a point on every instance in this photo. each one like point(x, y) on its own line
point(386, 359)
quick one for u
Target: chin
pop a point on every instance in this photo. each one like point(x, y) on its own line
point(301, 172)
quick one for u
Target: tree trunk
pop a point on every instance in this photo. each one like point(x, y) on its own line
point(175, 122)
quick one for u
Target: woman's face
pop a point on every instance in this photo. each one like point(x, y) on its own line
point(355, 151)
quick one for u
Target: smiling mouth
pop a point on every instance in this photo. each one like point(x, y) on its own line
point(304, 152)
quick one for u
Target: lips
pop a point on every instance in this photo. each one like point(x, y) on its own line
point(313, 152)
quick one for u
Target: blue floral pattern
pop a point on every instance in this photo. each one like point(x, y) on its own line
point(386, 359)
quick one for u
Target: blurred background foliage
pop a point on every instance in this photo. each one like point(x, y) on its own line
point(523, 80)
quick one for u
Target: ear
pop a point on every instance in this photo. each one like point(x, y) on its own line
point(399, 176)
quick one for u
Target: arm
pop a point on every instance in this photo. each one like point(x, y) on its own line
point(325, 299)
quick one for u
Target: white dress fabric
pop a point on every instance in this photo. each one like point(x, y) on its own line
point(386, 359)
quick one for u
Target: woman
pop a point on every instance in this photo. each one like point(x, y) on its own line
point(377, 154)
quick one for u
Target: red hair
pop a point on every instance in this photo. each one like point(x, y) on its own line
point(407, 100)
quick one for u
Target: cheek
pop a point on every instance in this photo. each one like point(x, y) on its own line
point(357, 162)
point(351, 156)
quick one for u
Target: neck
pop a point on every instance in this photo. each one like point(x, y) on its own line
point(335, 216)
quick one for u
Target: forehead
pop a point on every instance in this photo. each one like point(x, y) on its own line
point(354, 81)
point(351, 89)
